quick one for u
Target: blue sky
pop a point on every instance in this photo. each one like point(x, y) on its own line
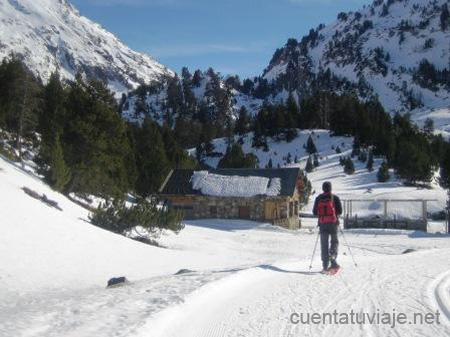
point(232, 36)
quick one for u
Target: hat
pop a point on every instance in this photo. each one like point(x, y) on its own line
point(326, 187)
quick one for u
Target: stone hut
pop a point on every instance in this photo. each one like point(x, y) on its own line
point(266, 195)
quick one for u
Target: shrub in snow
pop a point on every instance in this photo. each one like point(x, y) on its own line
point(383, 173)
point(310, 146)
point(316, 160)
point(142, 220)
point(369, 165)
point(309, 166)
point(349, 166)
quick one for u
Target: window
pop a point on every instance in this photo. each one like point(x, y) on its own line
point(291, 209)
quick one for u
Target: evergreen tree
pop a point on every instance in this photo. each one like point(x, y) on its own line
point(444, 179)
point(197, 78)
point(19, 100)
point(235, 158)
point(95, 141)
point(370, 162)
point(383, 173)
point(51, 120)
point(349, 166)
point(316, 160)
point(59, 174)
point(242, 123)
point(310, 146)
point(151, 159)
point(270, 164)
point(309, 165)
point(444, 17)
point(428, 127)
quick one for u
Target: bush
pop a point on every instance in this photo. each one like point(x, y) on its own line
point(349, 166)
point(143, 219)
point(383, 173)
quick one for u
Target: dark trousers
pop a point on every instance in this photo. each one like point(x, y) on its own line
point(329, 247)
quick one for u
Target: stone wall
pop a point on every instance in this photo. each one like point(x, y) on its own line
point(208, 207)
point(227, 208)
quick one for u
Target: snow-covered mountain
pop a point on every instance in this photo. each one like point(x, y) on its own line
point(189, 96)
point(52, 35)
point(397, 50)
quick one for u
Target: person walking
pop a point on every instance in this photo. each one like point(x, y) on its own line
point(328, 207)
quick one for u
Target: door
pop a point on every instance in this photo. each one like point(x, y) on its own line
point(244, 212)
point(270, 210)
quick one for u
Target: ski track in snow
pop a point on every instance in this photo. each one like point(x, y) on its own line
point(259, 301)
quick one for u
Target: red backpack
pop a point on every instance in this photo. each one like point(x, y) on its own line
point(326, 211)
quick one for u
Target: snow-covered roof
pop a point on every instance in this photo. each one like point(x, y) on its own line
point(234, 186)
point(243, 183)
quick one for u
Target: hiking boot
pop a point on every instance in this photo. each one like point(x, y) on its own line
point(333, 262)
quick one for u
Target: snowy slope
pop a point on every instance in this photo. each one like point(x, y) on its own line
point(374, 52)
point(246, 279)
point(51, 35)
point(361, 185)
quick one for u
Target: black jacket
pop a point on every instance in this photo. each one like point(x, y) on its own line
point(336, 200)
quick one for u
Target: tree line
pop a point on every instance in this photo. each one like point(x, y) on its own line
point(84, 145)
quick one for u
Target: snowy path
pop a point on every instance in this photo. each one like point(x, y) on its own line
point(259, 301)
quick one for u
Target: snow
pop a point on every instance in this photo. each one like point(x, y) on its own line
point(246, 278)
point(404, 57)
point(52, 35)
point(234, 186)
point(363, 185)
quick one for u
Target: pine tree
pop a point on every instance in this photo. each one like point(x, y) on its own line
point(316, 160)
point(270, 164)
point(21, 100)
point(242, 123)
point(383, 173)
point(310, 146)
point(51, 120)
point(444, 179)
point(370, 162)
point(428, 127)
point(95, 141)
point(235, 158)
point(152, 162)
point(349, 166)
point(309, 165)
point(59, 174)
point(444, 17)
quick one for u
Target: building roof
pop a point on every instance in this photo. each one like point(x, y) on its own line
point(180, 182)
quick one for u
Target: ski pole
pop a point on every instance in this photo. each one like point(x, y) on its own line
point(348, 247)
point(314, 251)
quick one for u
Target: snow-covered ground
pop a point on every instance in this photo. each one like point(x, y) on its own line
point(363, 185)
point(246, 279)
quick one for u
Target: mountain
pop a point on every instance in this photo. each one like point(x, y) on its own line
point(52, 35)
point(396, 50)
point(204, 92)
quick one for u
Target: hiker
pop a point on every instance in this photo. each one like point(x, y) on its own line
point(327, 208)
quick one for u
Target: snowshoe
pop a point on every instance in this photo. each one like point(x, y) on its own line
point(333, 270)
